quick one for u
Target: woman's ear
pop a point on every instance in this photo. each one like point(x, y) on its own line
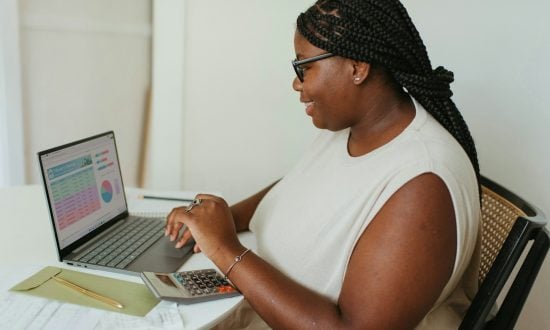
point(361, 71)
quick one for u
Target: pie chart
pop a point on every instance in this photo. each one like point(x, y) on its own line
point(106, 191)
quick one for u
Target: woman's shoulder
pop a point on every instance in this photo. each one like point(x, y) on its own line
point(426, 140)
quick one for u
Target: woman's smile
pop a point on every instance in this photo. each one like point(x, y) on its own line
point(309, 108)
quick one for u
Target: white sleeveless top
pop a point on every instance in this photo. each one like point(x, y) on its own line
point(308, 224)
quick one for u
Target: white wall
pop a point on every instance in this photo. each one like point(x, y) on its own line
point(86, 70)
point(162, 169)
point(11, 118)
point(244, 127)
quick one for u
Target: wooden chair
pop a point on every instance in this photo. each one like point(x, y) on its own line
point(509, 223)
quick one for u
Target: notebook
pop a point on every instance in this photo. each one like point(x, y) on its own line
point(89, 212)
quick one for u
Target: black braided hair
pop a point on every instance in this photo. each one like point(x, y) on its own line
point(382, 33)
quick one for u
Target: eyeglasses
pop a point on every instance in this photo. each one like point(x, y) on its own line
point(297, 64)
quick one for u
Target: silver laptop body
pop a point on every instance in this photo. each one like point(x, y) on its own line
point(89, 212)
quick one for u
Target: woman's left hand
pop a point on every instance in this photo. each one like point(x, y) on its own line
point(210, 223)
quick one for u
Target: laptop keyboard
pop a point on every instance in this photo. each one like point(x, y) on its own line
point(125, 245)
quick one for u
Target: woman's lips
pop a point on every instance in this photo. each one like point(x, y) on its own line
point(309, 108)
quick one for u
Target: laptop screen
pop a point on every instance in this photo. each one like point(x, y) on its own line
point(84, 186)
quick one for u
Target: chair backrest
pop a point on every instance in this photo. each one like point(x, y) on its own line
point(498, 215)
point(509, 223)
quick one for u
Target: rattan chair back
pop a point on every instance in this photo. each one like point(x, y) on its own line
point(498, 215)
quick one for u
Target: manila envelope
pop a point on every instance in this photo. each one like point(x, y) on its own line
point(136, 298)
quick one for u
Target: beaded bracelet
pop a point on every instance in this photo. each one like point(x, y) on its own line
point(237, 260)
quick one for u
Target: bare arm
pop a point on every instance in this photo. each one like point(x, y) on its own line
point(242, 212)
point(397, 271)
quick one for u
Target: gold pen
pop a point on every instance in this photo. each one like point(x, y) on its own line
point(89, 293)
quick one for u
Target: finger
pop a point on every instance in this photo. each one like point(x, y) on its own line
point(175, 220)
point(169, 222)
point(196, 248)
point(211, 200)
point(175, 231)
point(209, 197)
point(185, 236)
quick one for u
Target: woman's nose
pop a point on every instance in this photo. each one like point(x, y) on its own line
point(297, 84)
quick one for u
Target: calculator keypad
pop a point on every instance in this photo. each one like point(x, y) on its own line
point(203, 282)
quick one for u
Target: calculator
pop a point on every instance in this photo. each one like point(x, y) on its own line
point(189, 286)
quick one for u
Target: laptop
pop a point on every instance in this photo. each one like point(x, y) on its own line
point(89, 212)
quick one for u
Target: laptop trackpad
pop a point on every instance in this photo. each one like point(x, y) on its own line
point(162, 257)
point(165, 247)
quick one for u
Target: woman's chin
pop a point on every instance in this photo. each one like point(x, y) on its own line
point(318, 123)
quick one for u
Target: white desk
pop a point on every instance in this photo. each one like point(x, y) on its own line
point(27, 245)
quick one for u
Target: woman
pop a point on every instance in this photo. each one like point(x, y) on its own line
point(376, 226)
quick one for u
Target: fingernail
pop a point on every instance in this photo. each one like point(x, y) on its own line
point(166, 232)
point(179, 244)
point(172, 238)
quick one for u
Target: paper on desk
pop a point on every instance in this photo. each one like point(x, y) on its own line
point(23, 312)
point(19, 311)
point(136, 298)
point(152, 207)
point(165, 316)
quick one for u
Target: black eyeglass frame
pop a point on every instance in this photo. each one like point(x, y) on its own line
point(297, 63)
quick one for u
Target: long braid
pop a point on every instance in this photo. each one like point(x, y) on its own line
point(381, 32)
